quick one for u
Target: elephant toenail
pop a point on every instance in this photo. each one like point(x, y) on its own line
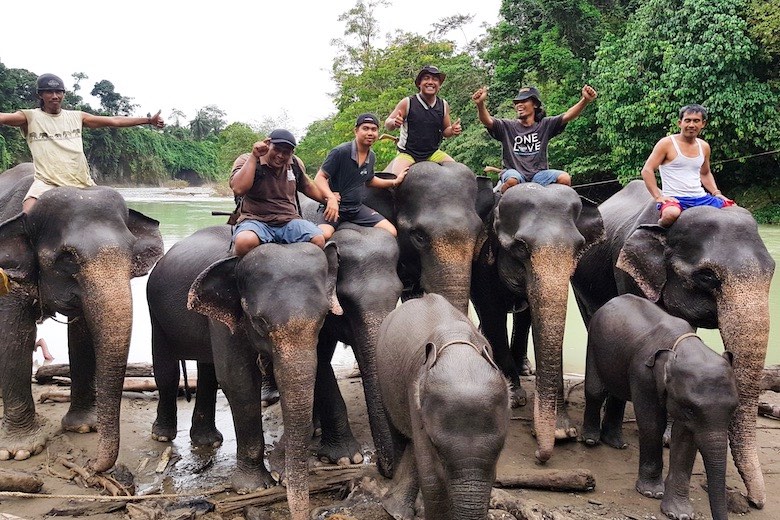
point(22, 455)
point(4, 455)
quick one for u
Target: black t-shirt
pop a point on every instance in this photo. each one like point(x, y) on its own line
point(346, 176)
point(525, 147)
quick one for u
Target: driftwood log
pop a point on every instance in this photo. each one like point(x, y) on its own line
point(770, 379)
point(552, 480)
point(139, 377)
point(769, 410)
point(19, 481)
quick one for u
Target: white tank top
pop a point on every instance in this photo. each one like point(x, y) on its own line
point(681, 177)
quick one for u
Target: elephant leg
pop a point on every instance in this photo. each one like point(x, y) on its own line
point(565, 428)
point(166, 377)
point(612, 425)
point(595, 394)
point(676, 502)
point(235, 364)
point(433, 486)
point(492, 323)
point(81, 416)
point(521, 325)
point(203, 431)
point(337, 444)
point(22, 432)
point(650, 421)
point(399, 500)
point(270, 393)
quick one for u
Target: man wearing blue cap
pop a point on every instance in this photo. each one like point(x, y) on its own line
point(524, 140)
point(343, 176)
point(267, 180)
point(54, 138)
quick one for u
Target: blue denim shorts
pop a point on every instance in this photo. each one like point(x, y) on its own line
point(543, 177)
point(297, 230)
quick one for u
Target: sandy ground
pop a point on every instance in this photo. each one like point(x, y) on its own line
point(191, 472)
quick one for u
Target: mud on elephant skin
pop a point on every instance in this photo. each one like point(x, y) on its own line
point(535, 237)
point(74, 253)
point(273, 300)
point(449, 406)
point(637, 352)
point(710, 268)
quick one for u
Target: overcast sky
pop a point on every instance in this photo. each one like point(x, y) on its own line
point(255, 61)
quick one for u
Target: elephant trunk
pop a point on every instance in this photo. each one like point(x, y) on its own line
point(366, 333)
point(548, 293)
point(713, 447)
point(470, 495)
point(743, 310)
point(108, 310)
point(295, 367)
point(449, 271)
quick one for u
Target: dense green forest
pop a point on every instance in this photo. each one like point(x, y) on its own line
point(646, 58)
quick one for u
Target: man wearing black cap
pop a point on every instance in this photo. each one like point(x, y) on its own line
point(424, 120)
point(267, 180)
point(54, 138)
point(524, 140)
point(343, 176)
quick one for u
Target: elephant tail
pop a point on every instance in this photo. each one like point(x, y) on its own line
point(187, 392)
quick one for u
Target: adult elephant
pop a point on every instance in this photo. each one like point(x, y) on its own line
point(710, 268)
point(535, 237)
point(272, 300)
point(74, 253)
point(434, 209)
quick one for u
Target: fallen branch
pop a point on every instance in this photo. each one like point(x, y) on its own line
point(19, 481)
point(769, 410)
point(770, 378)
point(47, 372)
point(552, 480)
point(110, 484)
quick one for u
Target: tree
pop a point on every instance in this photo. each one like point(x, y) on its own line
point(208, 121)
point(676, 52)
point(360, 24)
point(235, 139)
point(112, 102)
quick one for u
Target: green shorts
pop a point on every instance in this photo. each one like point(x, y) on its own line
point(437, 156)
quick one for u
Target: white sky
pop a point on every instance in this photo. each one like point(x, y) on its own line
point(255, 61)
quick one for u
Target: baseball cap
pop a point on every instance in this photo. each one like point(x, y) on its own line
point(367, 118)
point(433, 71)
point(282, 136)
point(527, 92)
point(49, 82)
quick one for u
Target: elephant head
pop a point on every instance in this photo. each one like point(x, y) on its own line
point(712, 269)
point(75, 253)
point(438, 227)
point(277, 296)
point(540, 233)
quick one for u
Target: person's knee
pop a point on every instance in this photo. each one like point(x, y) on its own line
point(327, 231)
point(669, 215)
point(245, 242)
point(387, 226)
point(509, 183)
point(28, 203)
point(400, 164)
point(319, 240)
point(564, 178)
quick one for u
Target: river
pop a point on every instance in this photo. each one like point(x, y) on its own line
point(182, 214)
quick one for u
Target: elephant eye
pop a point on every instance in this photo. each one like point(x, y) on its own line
point(707, 279)
point(418, 238)
point(66, 262)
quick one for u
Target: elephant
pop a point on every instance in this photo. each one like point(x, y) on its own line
point(710, 268)
point(448, 404)
point(272, 300)
point(535, 237)
point(638, 352)
point(74, 253)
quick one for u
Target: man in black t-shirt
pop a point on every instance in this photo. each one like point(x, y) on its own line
point(524, 140)
point(343, 176)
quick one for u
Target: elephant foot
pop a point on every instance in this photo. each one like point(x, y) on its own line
point(565, 429)
point(269, 393)
point(247, 480)
point(614, 439)
point(591, 436)
point(80, 421)
point(517, 395)
point(163, 433)
point(398, 507)
point(340, 452)
point(206, 436)
point(18, 445)
point(676, 507)
point(526, 369)
point(650, 488)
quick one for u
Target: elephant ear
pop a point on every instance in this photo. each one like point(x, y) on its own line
point(590, 224)
point(486, 197)
point(17, 257)
point(148, 247)
point(642, 257)
point(214, 293)
point(431, 353)
point(332, 254)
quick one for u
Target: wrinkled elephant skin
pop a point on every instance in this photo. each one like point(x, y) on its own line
point(74, 253)
point(710, 268)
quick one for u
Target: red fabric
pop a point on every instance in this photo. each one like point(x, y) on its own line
point(670, 203)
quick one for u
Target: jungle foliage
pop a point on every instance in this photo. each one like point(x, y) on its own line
point(646, 58)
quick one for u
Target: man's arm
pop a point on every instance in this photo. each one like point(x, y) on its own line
point(242, 179)
point(331, 199)
point(450, 128)
point(13, 118)
point(656, 158)
point(377, 182)
point(588, 95)
point(93, 121)
point(479, 98)
point(397, 116)
point(707, 178)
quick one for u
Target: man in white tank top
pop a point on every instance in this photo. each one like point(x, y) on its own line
point(683, 161)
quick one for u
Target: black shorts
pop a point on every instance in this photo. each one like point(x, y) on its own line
point(363, 216)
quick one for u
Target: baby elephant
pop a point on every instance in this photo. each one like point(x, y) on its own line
point(637, 352)
point(448, 405)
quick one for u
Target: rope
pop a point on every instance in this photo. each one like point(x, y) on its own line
point(682, 337)
point(770, 152)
